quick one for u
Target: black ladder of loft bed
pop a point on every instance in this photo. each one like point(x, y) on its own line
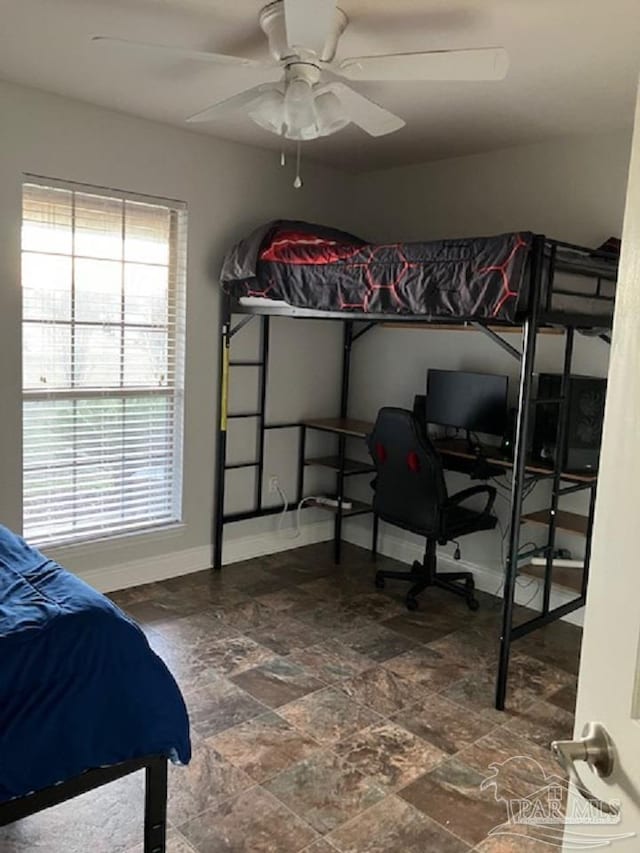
point(225, 366)
point(227, 332)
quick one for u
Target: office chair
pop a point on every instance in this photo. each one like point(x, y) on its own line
point(410, 492)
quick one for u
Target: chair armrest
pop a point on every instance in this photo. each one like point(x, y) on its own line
point(462, 496)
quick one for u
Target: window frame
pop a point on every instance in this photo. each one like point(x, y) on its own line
point(174, 341)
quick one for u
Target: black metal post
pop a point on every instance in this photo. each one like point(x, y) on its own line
point(262, 400)
point(589, 541)
point(561, 441)
point(337, 526)
point(221, 442)
point(342, 442)
point(522, 429)
point(347, 343)
point(155, 806)
point(551, 270)
point(302, 448)
point(374, 537)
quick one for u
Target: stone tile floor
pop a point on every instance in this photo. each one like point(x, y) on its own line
point(326, 717)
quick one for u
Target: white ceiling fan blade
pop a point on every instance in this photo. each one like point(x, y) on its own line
point(485, 63)
point(309, 23)
point(235, 102)
point(178, 52)
point(368, 115)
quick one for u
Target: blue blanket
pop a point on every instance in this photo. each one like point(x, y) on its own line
point(79, 686)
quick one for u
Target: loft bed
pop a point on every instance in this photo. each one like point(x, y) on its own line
point(491, 284)
point(83, 698)
point(297, 269)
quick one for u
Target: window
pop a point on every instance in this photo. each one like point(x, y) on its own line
point(103, 278)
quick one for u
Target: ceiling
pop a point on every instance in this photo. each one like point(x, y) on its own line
point(574, 67)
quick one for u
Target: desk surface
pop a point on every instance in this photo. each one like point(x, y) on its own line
point(459, 447)
point(341, 426)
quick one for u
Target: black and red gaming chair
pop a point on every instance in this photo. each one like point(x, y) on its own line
point(410, 492)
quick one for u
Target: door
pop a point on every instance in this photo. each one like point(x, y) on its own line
point(609, 683)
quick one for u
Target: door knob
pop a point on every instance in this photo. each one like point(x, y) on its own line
point(595, 747)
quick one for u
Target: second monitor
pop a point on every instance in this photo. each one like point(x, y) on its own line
point(475, 402)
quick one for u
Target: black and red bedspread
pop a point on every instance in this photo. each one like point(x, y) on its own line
point(311, 266)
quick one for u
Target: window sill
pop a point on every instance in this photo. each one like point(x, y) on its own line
point(90, 546)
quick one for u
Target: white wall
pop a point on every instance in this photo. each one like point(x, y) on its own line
point(571, 189)
point(229, 189)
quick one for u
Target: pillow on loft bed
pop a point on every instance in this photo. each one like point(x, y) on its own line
point(240, 263)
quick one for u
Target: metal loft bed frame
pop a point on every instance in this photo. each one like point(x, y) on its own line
point(547, 258)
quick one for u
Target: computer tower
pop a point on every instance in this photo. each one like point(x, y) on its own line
point(584, 425)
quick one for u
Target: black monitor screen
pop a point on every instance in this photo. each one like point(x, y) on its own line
point(476, 402)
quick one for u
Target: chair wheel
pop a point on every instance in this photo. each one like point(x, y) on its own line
point(379, 580)
point(412, 603)
point(473, 604)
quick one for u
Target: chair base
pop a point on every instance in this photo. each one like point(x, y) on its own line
point(423, 575)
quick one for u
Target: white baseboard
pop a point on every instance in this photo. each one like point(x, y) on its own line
point(487, 579)
point(248, 547)
point(177, 563)
point(147, 570)
point(185, 562)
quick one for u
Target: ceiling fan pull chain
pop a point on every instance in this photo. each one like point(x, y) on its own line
point(283, 161)
point(298, 181)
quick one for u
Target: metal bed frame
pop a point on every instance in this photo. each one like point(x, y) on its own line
point(155, 804)
point(547, 258)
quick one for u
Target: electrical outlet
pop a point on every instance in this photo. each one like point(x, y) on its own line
point(274, 482)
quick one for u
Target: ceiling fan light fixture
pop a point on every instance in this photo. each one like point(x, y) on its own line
point(330, 114)
point(299, 112)
point(301, 134)
point(268, 112)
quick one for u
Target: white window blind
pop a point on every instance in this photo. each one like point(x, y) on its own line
point(103, 281)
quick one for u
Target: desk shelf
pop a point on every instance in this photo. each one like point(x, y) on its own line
point(341, 426)
point(357, 508)
point(570, 522)
point(351, 466)
point(561, 576)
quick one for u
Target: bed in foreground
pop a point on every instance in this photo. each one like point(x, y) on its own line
point(83, 698)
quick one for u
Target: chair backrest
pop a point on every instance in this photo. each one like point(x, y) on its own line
point(410, 489)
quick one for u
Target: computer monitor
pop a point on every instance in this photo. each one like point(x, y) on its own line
point(476, 402)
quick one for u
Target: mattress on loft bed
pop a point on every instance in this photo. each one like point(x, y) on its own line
point(313, 267)
point(80, 688)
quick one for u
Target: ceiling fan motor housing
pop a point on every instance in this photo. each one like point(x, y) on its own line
point(272, 21)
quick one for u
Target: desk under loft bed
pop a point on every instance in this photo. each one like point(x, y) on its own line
point(490, 285)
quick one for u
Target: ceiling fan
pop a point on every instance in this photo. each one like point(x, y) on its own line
point(305, 95)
